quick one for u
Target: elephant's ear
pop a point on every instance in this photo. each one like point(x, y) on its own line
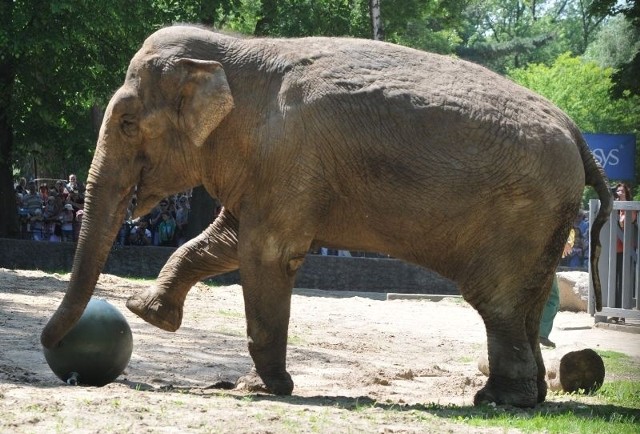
point(204, 97)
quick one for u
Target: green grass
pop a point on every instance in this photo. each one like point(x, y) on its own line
point(295, 340)
point(620, 366)
point(621, 392)
point(615, 408)
point(562, 418)
point(227, 331)
point(226, 313)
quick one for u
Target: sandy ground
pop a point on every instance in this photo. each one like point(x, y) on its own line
point(360, 363)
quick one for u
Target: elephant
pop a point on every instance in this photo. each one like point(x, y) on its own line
point(344, 143)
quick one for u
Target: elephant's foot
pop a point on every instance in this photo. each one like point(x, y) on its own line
point(522, 392)
point(156, 310)
point(277, 385)
point(542, 390)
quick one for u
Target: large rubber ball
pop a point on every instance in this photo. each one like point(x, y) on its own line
point(96, 350)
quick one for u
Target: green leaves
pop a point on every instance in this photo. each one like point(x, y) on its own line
point(68, 57)
point(61, 60)
point(583, 90)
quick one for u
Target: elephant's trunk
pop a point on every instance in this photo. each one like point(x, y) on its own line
point(103, 213)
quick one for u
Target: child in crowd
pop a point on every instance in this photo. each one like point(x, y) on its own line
point(67, 218)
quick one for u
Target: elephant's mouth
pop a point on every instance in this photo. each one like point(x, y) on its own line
point(143, 202)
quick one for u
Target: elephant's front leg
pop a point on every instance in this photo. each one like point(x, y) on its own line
point(268, 272)
point(212, 252)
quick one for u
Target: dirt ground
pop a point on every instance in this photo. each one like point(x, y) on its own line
point(360, 363)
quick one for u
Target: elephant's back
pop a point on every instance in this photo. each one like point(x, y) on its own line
point(394, 81)
point(397, 116)
point(416, 120)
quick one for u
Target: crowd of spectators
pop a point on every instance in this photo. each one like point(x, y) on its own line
point(52, 210)
point(165, 225)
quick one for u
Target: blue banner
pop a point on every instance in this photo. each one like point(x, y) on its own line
point(616, 153)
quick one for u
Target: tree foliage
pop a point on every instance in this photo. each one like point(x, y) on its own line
point(314, 18)
point(626, 76)
point(582, 90)
point(504, 34)
point(615, 44)
point(60, 60)
point(427, 25)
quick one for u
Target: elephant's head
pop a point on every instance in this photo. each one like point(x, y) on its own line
point(150, 143)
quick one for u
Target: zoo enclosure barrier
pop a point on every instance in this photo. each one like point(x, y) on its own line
point(628, 272)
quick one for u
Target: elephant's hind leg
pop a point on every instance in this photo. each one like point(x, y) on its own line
point(212, 252)
point(514, 372)
point(533, 332)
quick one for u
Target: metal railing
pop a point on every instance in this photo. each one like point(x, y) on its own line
point(619, 266)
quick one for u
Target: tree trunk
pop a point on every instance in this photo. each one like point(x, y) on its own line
point(376, 20)
point(9, 225)
point(202, 213)
point(268, 17)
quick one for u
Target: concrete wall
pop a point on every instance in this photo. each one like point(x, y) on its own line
point(319, 272)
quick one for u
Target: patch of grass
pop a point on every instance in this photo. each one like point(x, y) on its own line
point(619, 365)
point(550, 417)
point(467, 359)
point(140, 279)
point(230, 332)
point(614, 408)
point(295, 340)
point(226, 313)
point(319, 421)
point(561, 418)
point(623, 392)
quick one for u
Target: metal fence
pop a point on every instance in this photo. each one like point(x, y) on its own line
point(618, 265)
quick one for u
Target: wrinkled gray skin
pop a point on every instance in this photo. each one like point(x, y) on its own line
point(346, 143)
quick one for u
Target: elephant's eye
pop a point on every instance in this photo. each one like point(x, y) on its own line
point(129, 125)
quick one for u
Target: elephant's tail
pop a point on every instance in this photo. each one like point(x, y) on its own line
point(596, 178)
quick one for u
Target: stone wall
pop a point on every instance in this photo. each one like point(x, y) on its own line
point(318, 272)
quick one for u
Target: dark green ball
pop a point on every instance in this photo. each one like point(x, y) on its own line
point(96, 350)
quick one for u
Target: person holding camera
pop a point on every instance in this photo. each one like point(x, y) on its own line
point(74, 192)
point(140, 234)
